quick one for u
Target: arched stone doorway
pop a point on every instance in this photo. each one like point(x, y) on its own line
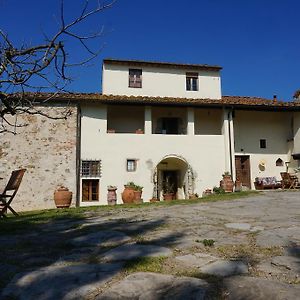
point(175, 175)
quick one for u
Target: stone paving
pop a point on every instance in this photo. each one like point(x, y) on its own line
point(255, 253)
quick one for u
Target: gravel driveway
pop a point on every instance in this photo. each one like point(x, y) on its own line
point(240, 249)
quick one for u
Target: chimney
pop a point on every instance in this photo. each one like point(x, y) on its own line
point(275, 98)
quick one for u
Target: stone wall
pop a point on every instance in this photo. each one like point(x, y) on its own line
point(47, 149)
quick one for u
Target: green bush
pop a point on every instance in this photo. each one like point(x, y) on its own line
point(218, 190)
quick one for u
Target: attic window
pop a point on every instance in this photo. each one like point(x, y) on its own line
point(135, 78)
point(191, 81)
point(279, 162)
point(263, 143)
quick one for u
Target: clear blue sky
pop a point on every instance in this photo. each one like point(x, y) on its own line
point(257, 42)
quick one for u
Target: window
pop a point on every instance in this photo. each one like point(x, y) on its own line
point(90, 168)
point(131, 165)
point(192, 81)
point(135, 78)
point(90, 189)
point(279, 162)
point(263, 143)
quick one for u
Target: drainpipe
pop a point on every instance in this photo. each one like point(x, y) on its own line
point(229, 135)
point(231, 144)
point(78, 154)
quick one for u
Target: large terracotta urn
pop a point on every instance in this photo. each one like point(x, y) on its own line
point(227, 184)
point(62, 197)
point(128, 194)
point(137, 197)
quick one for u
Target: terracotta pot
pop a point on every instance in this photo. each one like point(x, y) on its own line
point(111, 196)
point(154, 200)
point(207, 192)
point(168, 197)
point(227, 184)
point(238, 186)
point(137, 197)
point(139, 131)
point(128, 194)
point(62, 197)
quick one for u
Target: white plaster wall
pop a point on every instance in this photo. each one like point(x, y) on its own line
point(296, 128)
point(205, 154)
point(160, 82)
point(275, 127)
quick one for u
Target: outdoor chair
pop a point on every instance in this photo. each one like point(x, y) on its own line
point(7, 196)
point(289, 181)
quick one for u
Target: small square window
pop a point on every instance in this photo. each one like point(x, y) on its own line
point(192, 81)
point(135, 78)
point(131, 165)
point(263, 143)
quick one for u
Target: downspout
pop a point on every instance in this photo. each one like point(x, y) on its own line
point(78, 154)
point(230, 138)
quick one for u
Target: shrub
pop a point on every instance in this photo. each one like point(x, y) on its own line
point(218, 190)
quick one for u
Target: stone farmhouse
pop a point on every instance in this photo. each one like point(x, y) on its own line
point(153, 123)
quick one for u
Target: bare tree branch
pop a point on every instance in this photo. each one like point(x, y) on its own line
point(23, 68)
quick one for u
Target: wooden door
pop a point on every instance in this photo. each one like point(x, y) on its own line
point(242, 168)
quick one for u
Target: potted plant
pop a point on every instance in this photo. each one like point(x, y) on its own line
point(168, 191)
point(62, 197)
point(138, 190)
point(110, 130)
point(139, 131)
point(227, 183)
point(111, 195)
point(128, 193)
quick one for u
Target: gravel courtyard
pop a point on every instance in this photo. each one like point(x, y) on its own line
point(247, 248)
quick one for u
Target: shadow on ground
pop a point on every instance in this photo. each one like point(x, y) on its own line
point(55, 260)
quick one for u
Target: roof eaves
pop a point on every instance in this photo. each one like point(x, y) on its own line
point(162, 64)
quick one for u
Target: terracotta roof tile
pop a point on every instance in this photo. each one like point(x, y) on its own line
point(234, 101)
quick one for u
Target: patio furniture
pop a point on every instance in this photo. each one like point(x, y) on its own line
point(262, 183)
point(7, 196)
point(289, 181)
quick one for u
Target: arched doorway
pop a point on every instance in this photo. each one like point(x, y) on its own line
point(173, 175)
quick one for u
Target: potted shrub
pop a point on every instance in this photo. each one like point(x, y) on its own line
point(139, 131)
point(110, 130)
point(128, 193)
point(111, 195)
point(207, 192)
point(238, 185)
point(138, 190)
point(227, 183)
point(168, 191)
